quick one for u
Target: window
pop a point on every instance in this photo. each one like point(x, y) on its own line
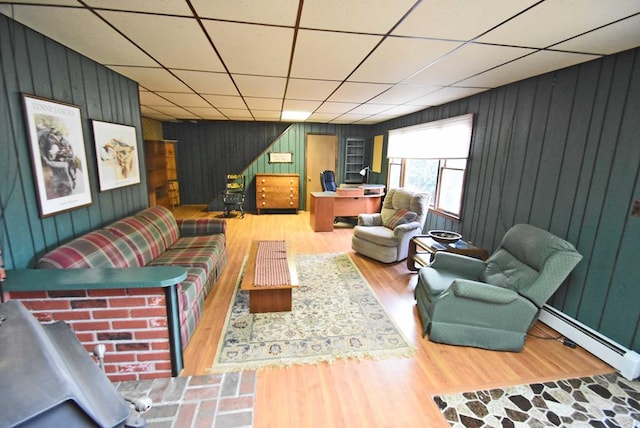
point(432, 157)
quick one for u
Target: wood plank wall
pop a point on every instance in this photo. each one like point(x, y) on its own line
point(208, 150)
point(561, 151)
point(34, 64)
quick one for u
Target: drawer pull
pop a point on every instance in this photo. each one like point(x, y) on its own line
point(264, 203)
point(263, 196)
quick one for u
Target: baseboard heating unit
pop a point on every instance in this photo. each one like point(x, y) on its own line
point(625, 361)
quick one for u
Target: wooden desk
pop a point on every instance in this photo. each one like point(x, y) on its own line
point(422, 248)
point(268, 298)
point(326, 206)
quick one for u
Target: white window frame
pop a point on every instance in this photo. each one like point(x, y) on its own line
point(443, 140)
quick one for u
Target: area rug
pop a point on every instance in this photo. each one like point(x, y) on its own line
point(335, 314)
point(598, 401)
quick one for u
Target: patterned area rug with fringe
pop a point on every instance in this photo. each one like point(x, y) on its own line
point(335, 315)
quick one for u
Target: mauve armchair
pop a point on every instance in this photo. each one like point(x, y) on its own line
point(492, 304)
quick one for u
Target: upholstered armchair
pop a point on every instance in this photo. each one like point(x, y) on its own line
point(492, 304)
point(385, 236)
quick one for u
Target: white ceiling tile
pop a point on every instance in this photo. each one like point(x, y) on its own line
point(358, 92)
point(458, 19)
point(254, 38)
point(225, 101)
point(266, 115)
point(237, 114)
point(175, 42)
point(301, 105)
point(613, 38)
point(152, 99)
point(98, 42)
point(398, 58)
point(153, 79)
point(252, 49)
point(259, 86)
point(350, 118)
point(176, 112)
point(400, 94)
point(532, 65)
point(370, 109)
point(209, 113)
point(336, 108)
point(465, 62)
point(322, 117)
point(306, 89)
point(372, 16)
point(205, 82)
point(276, 12)
point(403, 109)
point(185, 100)
point(264, 103)
point(167, 7)
point(562, 19)
point(154, 114)
point(330, 56)
point(444, 95)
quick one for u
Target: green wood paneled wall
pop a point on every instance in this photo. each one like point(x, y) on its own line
point(209, 150)
point(31, 63)
point(561, 151)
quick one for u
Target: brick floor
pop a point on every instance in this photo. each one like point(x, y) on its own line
point(216, 400)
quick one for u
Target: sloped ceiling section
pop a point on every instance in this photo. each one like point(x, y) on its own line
point(360, 61)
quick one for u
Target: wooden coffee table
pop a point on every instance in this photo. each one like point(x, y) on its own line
point(423, 247)
point(274, 298)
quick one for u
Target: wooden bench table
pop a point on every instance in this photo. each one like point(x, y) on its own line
point(273, 298)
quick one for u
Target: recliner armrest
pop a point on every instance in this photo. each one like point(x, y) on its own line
point(374, 219)
point(406, 227)
point(465, 265)
point(483, 292)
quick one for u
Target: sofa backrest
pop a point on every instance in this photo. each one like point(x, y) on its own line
point(99, 248)
point(532, 262)
point(142, 235)
point(401, 198)
point(162, 218)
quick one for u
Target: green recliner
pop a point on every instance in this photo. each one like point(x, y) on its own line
point(492, 304)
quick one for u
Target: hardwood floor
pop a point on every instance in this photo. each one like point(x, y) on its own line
point(385, 393)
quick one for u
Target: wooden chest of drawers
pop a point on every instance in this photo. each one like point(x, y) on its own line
point(277, 191)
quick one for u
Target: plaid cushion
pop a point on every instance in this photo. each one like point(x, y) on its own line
point(188, 257)
point(401, 216)
point(191, 319)
point(99, 248)
point(164, 221)
point(141, 235)
point(213, 241)
point(192, 287)
point(201, 226)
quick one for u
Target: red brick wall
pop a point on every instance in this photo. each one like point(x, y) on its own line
point(131, 323)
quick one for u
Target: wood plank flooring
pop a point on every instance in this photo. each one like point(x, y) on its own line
point(384, 393)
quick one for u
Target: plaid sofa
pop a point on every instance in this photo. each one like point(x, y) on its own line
point(153, 237)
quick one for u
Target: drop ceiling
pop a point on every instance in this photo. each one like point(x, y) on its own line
point(344, 61)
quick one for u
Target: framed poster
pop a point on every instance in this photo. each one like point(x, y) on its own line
point(117, 154)
point(58, 154)
point(280, 157)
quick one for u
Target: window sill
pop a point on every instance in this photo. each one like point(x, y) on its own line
point(445, 214)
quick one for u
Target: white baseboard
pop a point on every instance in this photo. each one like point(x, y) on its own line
point(625, 361)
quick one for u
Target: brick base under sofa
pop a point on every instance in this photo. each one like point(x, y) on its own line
point(144, 331)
